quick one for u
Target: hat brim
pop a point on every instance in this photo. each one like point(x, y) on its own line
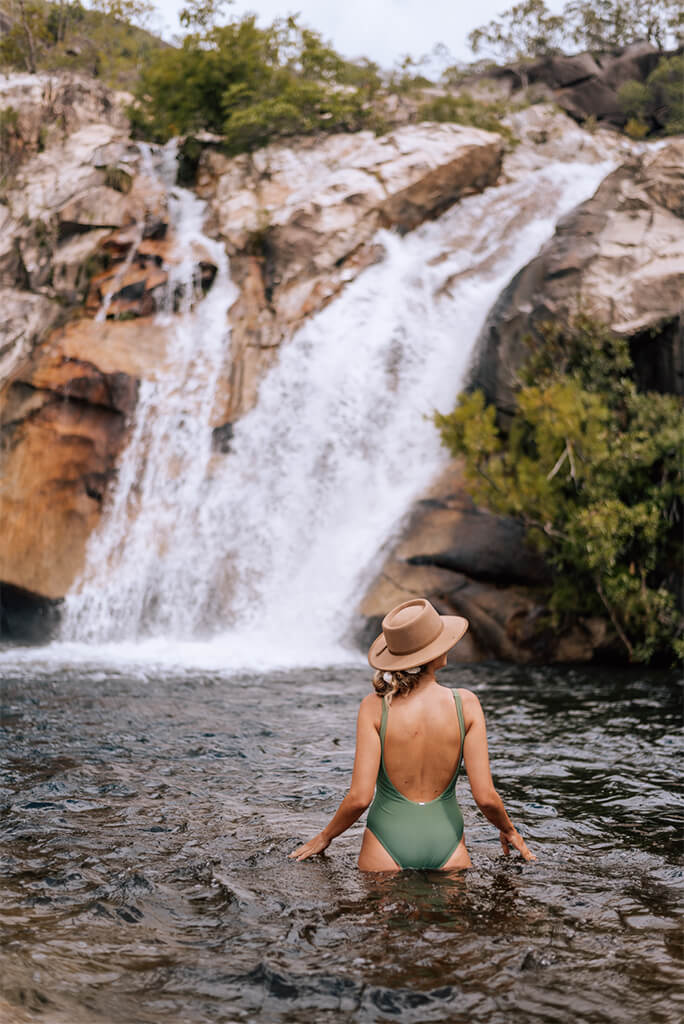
point(380, 657)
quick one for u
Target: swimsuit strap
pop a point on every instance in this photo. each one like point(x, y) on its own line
point(461, 725)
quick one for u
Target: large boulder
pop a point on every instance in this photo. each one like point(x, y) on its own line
point(620, 258)
point(472, 563)
point(584, 85)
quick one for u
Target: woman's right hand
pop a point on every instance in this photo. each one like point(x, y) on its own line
point(310, 849)
point(513, 838)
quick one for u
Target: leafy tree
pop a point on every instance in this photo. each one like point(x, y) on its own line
point(657, 103)
point(202, 13)
point(252, 85)
point(612, 24)
point(528, 29)
point(135, 12)
point(24, 41)
point(593, 468)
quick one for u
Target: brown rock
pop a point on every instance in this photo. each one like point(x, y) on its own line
point(56, 465)
point(136, 348)
point(592, 98)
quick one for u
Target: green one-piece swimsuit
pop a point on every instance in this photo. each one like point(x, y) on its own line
point(416, 835)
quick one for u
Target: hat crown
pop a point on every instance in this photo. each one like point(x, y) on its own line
point(412, 626)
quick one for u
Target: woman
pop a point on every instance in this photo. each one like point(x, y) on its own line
point(411, 737)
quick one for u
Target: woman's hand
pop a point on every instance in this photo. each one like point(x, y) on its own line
point(513, 838)
point(310, 849)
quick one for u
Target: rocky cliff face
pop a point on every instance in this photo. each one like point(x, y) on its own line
point(298, 221)
point(619, 257)
point(85, 249)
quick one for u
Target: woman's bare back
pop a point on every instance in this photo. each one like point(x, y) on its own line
point(422, 742)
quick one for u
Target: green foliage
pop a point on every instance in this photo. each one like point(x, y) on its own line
point(23, 43)
point(10, 143)
point(102, 42)
point(202, 13)
point(636, 129)
point(463, 109)
point(593, 468)
point(657, 103)
point(634, 99)
point(666, 93)
point(601, 25)
point(527, 29)
point(252, 85)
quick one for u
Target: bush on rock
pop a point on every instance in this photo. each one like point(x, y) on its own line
point(593, 469)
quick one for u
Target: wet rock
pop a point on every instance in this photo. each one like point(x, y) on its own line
point(26, 618)
point(469, 562)
point(221, 438)
point(298, 219)
point(620, 257)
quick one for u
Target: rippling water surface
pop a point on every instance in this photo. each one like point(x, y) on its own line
point(147, 816)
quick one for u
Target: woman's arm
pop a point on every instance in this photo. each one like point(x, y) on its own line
point(476, 757)
point(364, 775)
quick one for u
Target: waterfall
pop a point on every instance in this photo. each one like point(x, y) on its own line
point(266, 549)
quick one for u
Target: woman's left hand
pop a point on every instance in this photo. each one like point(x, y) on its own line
point(310, 849)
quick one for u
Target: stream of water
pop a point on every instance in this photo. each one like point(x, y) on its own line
point(147, 815)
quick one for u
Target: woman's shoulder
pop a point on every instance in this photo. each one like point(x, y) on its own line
point(471, 703)
point(371, 706)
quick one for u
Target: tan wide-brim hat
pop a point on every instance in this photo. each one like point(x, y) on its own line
point(414, 633)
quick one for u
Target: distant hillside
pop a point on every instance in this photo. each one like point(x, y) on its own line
point(68, 36)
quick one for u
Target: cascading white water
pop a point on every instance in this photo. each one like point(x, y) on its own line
point(268, 550)
point(140, 550)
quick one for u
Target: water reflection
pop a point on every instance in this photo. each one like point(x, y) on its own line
point(147, 818)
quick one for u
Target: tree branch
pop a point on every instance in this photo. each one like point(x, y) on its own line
point(613, 618)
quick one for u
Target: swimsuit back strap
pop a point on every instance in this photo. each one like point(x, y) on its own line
point(383, 724)
point(461, 725)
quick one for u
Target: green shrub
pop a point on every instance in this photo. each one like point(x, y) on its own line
point(593, 469)
point(634, 99)
point(666, 89)
point(463, 109)
point(636, 129)
point(252, 85)
point(658, 103)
